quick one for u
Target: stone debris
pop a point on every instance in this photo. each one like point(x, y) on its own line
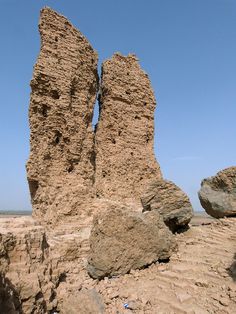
point(218, 194)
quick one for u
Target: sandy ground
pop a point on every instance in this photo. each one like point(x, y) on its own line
point(201, 218)
point(199, 278)
point(12, 214)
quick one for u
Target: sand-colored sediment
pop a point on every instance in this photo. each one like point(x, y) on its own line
point(199, 278)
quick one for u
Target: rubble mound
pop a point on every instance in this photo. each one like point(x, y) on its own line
point(218, 194)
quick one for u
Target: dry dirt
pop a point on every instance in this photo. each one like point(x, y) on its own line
point(199, 278)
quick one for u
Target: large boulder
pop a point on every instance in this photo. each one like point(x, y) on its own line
point(218, 194)
point(122, 240)
point(171, 203)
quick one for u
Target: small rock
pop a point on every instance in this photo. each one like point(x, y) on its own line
point(133, 305)
point(202, 283)
point(224, 301)
point(114, 294)
point(183, 297)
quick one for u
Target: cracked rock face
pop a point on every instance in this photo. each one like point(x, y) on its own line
point(218, 194)
point(125, 160)
point(60, 169)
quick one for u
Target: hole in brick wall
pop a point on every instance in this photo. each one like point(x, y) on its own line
point(45, 110)
point(66, 140)
point(33, 186)
point(35, 109)
point(57, 138)
point(55, 94)
point(70, 168)
point(73, 86)
point(72, 90)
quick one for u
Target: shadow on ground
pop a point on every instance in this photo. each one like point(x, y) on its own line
point(232, 269)
point(9, 298)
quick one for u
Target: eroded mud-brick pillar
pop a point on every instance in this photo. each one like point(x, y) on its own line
point(61, 166)
point(125, 161)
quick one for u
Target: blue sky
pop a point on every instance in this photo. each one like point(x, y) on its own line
point(188, 48)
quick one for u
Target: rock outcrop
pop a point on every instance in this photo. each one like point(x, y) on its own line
point(171, 203)
point(125, 161)
point(61, 166)
point(122, 240)
point(218, 194)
